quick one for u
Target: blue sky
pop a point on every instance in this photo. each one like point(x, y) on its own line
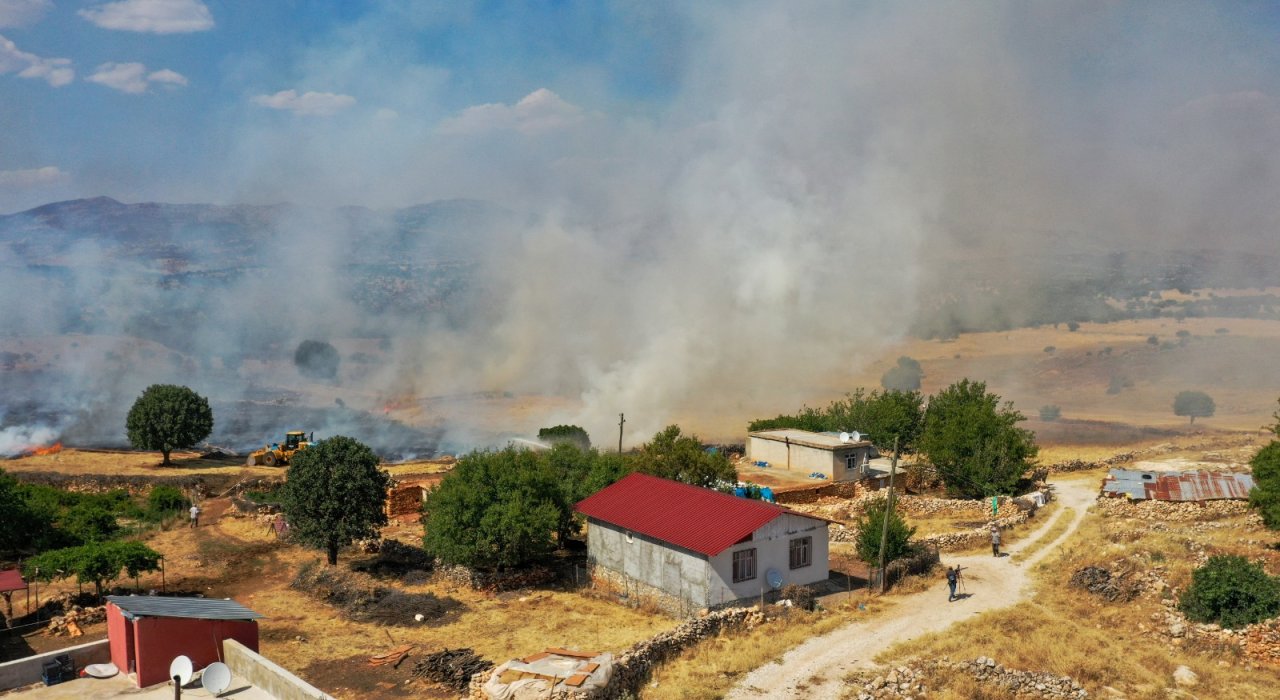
point(145, 98)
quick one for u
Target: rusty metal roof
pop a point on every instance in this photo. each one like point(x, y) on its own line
point(195, 608)
point(700, 520)
point(11, 580)
point(1177, 486)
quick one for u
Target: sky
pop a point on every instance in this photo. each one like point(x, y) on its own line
point(716, 190)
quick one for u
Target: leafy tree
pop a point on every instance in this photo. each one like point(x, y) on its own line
point(673, 455)
point(334, 494)
point(165, 500)
point(89, 522)
point(1073, 326)
point(880, 415)
point(96, 563)
point(167, 416)
point(904, 376)
point(317, 359)
point(1231, 591)
point(566, 433)
point(494, 510)
point(23, 525)
point(974, 442)
point(1265, 494)
point(870, 529)
point(1195, 404)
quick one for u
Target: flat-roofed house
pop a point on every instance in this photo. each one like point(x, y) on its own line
point(806, 452)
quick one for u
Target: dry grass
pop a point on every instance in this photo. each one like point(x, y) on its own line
point(1059, 526)
point(709, 669)
point(1068, 632)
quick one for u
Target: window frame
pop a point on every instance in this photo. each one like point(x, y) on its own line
point(742, 558)
point(804, 545)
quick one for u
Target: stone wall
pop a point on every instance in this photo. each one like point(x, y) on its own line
point(638, 594)
point(1178, 511)
point(817, 492)
point(494, 580)
point(912, 681)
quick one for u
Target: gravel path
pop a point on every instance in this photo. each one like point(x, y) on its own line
point(815, 669)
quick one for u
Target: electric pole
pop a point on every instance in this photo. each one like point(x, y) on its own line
point(621, 419)
point(888, 511)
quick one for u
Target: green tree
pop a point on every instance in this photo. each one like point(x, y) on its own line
point(317, 359)
point(494, 510)
point(904, 376)
point(89, 522)
point(97, 563)
point(23, 525)
point(673, 455)
point(1231, 591)
point(1265, 494)
point(974, 442)
point(165, 500)
point(334, 494)
point(166, 417)
point(572, 434)
point(870, 529)
point(1194, 404)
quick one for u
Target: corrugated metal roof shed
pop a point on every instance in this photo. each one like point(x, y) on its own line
point(11, 580)
point(697, 519)
point(1177, 486)
point(195, 608)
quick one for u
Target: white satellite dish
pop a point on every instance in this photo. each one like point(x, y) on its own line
point(101, 670)
point(774, 577)
point(857, 436)
point(181, 669)
point(216, 678)
point(844, 437)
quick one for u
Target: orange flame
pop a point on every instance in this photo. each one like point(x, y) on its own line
point(53, 449)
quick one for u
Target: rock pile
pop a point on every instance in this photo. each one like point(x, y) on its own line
point(73, 622)
point(1099, 581)
point(910, 681)
point(452, 667)
point(1179, 511)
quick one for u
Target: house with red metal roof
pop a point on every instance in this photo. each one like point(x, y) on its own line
point(689, 548)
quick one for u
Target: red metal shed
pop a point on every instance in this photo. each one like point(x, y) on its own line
point(147, 632)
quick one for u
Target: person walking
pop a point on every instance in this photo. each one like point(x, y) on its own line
point(995, 540)
point(195, 515)
point(953, 577)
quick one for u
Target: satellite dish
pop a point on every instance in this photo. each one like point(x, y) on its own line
point(857, 436)
point(216, 678)
point(181, 668)
point(774, 577)
point(844, 437)
point(101, 670)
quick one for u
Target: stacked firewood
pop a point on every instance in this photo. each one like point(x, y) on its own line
point(452, 667)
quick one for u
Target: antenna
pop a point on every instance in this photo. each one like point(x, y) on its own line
point(180, 668)
point(216, 678)
point(774, 577)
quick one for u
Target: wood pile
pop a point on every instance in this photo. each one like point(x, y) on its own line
point(391, 658)
point(404, 500)
point(452, 667)
point(71, 624)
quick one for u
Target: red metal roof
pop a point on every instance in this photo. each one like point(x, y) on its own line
point(11, 580)
point(697, 519)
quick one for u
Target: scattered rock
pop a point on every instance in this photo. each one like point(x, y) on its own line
point(1184, 676)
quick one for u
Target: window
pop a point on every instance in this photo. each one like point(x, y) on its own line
point(801, 552)
point(744, 565)
point(851, 461)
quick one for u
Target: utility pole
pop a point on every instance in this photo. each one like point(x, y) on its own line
point(888, 511)
point(621, 419)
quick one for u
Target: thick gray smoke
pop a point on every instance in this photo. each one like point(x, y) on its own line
point(820, 167)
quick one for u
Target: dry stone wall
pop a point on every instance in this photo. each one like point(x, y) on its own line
point(911, 681)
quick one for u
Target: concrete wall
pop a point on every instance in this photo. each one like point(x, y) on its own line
point(676, 571)
point(120, 632)
point(266, 675)
point(25, 671)
point(804, 459)
point(772, 543)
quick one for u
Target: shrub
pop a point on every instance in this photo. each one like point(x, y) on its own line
point(1073, 326)
point(317, 359)
point(166, 500)
point(1232, 592)
point(871, 529)
point(1153, 340)
point(1050, 413)
point(800, 596)
point(1049, 349)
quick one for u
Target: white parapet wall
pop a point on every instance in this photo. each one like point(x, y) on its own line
point(267, 675)
point(27, 670)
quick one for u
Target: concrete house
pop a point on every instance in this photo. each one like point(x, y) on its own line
point(690, 548)
point(805, 452)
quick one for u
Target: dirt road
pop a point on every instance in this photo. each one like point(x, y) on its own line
point(815, 669)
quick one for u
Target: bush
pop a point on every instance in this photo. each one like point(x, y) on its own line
point(166, 500)
point(800, 596)
point(1049, 349)
point(1232, 592)
point(871, 529)
point(317, 359)
point(1073, 326)
point(1050, 413)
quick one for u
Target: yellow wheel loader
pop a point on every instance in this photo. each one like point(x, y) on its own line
point(277, 455)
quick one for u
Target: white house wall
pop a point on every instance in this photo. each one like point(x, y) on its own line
point(804, 459)
point(772, 543)
point(676, 571)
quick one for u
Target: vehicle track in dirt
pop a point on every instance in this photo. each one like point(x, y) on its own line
point(816, 668)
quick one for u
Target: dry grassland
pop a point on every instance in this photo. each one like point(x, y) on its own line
point(1067, 631)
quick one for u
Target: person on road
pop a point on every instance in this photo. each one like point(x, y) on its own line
point(953, 577)
point(995, 540)
point(195, 515)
